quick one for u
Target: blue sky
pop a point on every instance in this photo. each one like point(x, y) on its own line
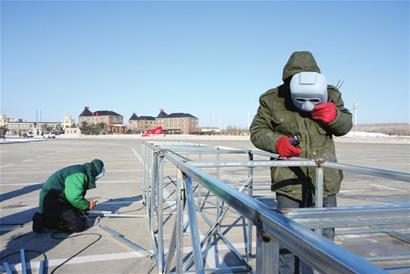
point(211, 59)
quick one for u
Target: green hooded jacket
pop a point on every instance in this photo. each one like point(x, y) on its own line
point(73, 182)
point(277, 116)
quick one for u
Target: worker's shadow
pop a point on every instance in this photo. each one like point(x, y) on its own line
point(35, 244)
point(19, 219)
point(18, 192)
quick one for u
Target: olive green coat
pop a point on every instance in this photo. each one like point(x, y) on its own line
point(277, 116)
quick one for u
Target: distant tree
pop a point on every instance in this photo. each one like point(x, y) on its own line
point(59, 128)
point(101, 128)
point(3, 131)
point(230, 130)
point(46, 127)
point(85, 128)
point(398, 129)
point(93, 130)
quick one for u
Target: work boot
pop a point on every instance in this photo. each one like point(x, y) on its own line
point(38, 223)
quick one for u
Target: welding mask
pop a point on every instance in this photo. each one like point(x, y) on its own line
point(308, 89)
point(99, 176)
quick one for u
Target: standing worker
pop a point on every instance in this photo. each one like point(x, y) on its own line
point(300, 118)
point(62, 201)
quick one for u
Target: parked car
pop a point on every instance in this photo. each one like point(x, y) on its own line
point(50, 135)
point(28, 134)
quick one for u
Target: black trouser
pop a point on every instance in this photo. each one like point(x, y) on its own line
point(60, 214)
point(288, 263)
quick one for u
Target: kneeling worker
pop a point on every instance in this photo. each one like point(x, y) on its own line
point(62, 201)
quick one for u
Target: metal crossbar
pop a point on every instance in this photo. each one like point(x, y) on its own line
point(273, 229)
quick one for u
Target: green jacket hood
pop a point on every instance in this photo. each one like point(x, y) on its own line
point(91, 174)
point(99, 166)
point(299, 61)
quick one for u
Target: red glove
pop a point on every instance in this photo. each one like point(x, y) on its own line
point(325, 112)
point(91, 205)
point(285, 148)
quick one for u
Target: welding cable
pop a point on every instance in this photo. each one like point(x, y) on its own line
point(97, 220)
point(55, 237)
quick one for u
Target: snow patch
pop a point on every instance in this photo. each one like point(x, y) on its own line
point(20, 140)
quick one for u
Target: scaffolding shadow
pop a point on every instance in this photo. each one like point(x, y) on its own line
point(19, 192)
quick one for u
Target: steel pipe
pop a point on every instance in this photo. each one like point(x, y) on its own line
point(159, 184)
point(179, 224)
point(388, 174)
point(6, 268)
point(349, 216)
point(312, 249)
point(121, 238)
point(193, 225)
point(317, 252)
point(259, 163)
point(267, 254)
point(42, 266)
point(23, 262)
point(248, 236)
point(319, 187)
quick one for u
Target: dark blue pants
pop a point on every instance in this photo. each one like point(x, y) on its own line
point(289, 263)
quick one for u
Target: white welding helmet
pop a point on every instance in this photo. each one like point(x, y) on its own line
point(308, 89)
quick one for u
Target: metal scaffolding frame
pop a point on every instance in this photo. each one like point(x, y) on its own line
point(272, 228)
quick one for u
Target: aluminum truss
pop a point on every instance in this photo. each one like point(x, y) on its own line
point(272, 228)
